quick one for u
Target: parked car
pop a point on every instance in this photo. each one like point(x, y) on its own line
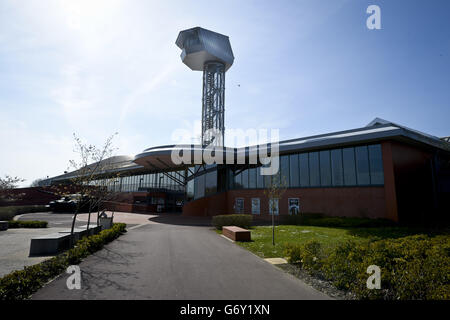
point(70, 203)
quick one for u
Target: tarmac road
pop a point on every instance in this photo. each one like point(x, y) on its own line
point(176, 261)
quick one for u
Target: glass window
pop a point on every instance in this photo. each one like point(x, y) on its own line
point(376, 164)
point(245, 179)
point(284, 170)
point(211, 183)
point(267, 180)
point(199, 186)
point(348, 156)
point(314, 172)
point(259, 178)
point(195, 188)
point(230, 179)
point(198, 168)
point(304, 169)
point(239, 205)
point(325, 168)
point(238, 180)
point(337, 173)
point(255, 206)
point(362, 165)
point(294, 177)
point(166, 181)
point(190, 190)
point(252, 178)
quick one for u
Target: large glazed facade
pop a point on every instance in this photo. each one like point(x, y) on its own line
point(383, 170)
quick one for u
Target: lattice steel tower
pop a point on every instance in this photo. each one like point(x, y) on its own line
point(210, 52)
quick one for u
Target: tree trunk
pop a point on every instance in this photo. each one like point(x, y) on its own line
point(73, 221)
point(273, 226)
point(89, 214)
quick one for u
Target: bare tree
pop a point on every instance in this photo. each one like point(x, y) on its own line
point(93, 162)
point(36, 182)
point(7, 184)
point(276, 188)
point(102, 194)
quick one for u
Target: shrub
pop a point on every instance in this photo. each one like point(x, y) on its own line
point(27, 224)
point(412, 267)
point(310, 255)
point(342, 222)
point(300, 218)
point(21, 284)
point(7, 213)
point(342, 264)
point(239, 220)
point(293, 252)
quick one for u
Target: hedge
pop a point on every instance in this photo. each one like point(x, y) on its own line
point(413, 267)
point(239, 220)
point(7, 213)
point(21, 284)
point(27, 224)
point(339, 222)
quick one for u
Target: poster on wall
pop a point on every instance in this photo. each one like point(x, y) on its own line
point(255, 205)
point(273, 206)
point(239, 205)
point(294, 206)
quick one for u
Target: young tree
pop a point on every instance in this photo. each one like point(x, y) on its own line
point(102, 194)
point(36, 182)
point(7, 184)
point(276, 188)
point(93, 161)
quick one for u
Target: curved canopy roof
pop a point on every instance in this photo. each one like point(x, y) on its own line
point(157, 159)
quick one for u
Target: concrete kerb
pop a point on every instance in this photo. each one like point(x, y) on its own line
point(4, 225)
point(50, 244)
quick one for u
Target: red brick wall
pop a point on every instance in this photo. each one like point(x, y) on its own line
point(124, 202)
point(31, 196)
point(413, 182)
point(389, 182)
point(351, 202)
point(208, 206)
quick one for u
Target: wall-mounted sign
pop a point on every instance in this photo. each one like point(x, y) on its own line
point(294, 206)
point(239, 205)
point(255, 206)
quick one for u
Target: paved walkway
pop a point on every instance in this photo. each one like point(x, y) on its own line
point(167, 260)
point(125, 217)
point(15, 247)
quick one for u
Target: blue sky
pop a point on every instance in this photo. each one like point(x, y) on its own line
point(303, 67)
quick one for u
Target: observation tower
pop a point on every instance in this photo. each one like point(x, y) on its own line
point(210, 52)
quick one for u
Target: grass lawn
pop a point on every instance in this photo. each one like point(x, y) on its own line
point(261, 243)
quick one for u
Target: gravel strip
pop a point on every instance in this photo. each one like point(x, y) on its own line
point(317, 283)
